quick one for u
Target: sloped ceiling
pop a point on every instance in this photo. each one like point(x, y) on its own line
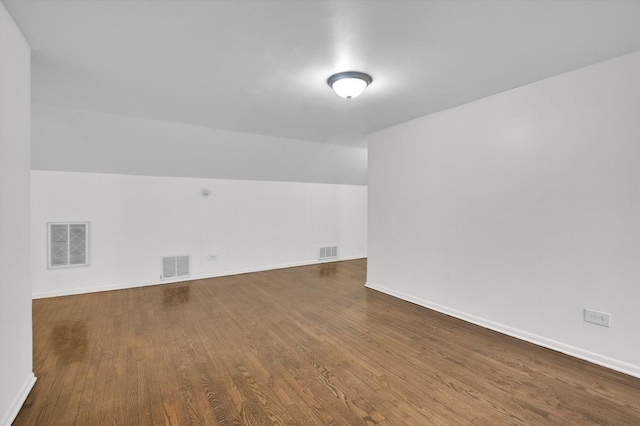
point(261, 66)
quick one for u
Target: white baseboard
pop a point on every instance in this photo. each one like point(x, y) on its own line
point(85, 290)
point(614, 364)
point(17, 402)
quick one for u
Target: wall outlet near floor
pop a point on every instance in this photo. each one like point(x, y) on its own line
point(212, 257)
point(596, 317)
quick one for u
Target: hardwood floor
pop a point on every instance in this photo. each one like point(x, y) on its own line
point(302, 346)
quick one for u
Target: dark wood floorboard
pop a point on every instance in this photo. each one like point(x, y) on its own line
point(298, 346)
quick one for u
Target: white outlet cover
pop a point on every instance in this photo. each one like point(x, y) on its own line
point(595, 317)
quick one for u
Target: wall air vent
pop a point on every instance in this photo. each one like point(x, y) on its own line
point(68, 244)
point(330, 252)
point(175, 267)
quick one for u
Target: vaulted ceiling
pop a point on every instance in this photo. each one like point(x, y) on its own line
point(261, 66)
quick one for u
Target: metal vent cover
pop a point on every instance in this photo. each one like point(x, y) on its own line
point(327, 252)
point(175, 267)
point(68, 244)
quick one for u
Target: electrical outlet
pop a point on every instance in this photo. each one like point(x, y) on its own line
point(595, 317)
point(212, 257)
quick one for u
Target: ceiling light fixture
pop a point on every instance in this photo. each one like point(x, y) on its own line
point(349, 84)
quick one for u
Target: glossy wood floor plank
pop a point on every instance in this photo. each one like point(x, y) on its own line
point(298, 346)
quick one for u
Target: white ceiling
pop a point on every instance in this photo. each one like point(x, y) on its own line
point(261, 66)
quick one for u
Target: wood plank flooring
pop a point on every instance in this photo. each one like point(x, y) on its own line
point(298, 346)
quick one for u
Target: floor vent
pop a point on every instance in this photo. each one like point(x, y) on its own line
point(175, 267)
point(325, 253)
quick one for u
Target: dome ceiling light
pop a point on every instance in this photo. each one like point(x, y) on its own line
point(349, 84)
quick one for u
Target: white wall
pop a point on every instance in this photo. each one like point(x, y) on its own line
point(74, 140)
point(250, 225)
point(519, 210)
point(16, 378)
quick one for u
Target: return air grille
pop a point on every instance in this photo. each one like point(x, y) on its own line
point(330, 252)
point(68, 244)
point(175, 267)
